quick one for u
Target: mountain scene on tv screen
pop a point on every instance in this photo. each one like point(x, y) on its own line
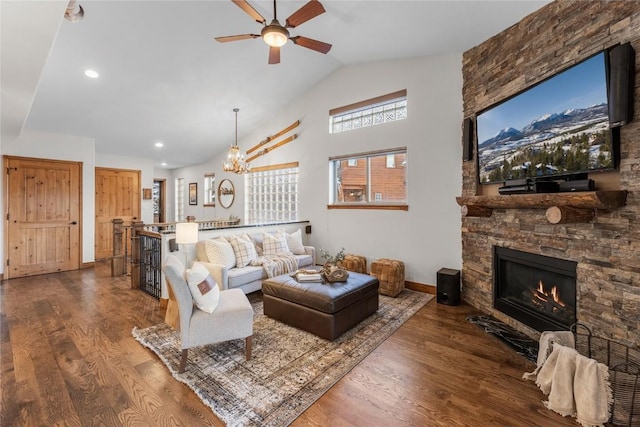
point(559, 126)
point(573, 140)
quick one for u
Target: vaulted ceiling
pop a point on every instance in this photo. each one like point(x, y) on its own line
point(163, 76)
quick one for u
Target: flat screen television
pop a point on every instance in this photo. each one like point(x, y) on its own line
point(557, 127)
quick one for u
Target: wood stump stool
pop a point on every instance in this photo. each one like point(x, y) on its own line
point(355, 263)
point(390, 274)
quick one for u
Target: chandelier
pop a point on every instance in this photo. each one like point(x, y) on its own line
point(235, 159)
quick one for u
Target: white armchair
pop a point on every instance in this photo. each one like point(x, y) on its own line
point(232, 318)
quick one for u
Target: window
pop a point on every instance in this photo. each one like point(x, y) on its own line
point(271, 194)
point(391, 160)
point(372, 183)
point(375, 111)
point(179, 199)
point(209, 189)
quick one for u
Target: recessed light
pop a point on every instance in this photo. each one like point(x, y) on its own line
point(92, 74)
point(159, 144)
point(163, 164)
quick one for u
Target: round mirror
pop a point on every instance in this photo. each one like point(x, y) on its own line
point(226, 193)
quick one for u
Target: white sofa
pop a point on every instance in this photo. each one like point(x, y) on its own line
point(248, 279)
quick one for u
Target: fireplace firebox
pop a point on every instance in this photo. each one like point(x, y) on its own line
point(537, 290)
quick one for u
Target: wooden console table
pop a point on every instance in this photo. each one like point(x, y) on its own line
point(561, 207)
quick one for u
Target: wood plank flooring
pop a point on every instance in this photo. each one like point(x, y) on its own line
point(68, 358)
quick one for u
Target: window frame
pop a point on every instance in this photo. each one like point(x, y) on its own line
point(370, 203)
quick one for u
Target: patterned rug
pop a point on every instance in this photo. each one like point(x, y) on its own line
point(289, 368)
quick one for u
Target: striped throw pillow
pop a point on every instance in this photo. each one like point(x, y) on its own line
point(219, 251)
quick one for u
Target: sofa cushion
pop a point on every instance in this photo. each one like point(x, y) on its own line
point(204, 290)
point(275, 244)
point(294, 242)
point(220, 251)
point(242, 276)
point(243, 249)
point(304, 260)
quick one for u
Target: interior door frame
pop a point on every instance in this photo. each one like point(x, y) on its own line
point(162, 199)
point(5, 200)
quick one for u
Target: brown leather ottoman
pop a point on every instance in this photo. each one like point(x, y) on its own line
point(324, 309)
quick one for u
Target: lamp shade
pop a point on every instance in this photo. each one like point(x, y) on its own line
point(186, 233)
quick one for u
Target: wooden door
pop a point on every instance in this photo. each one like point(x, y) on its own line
point(43, 216)
point(117, 196)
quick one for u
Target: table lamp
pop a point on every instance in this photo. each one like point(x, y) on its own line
point(186, 234)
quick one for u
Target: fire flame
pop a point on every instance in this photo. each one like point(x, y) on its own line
point(553, 293)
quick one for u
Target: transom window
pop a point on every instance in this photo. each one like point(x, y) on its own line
point(377, 179)
point(271, 194)
point(375, 111)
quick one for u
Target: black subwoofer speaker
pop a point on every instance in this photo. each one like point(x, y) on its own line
point(448, 291)
point(621, 84)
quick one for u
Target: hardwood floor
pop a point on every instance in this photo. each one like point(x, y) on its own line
point(68, 358)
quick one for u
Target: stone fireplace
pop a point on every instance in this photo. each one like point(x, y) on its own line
point(604, 247)
point(536, 290)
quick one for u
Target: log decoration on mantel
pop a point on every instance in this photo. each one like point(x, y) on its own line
point(566, 214)
point(271, 138)
point(561, 207)
point(475, 210)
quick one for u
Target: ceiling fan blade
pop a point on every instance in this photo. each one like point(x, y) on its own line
point(249, 10)
point(274, 55)
point(236, 38)
point(306, 12)
point(312, 44)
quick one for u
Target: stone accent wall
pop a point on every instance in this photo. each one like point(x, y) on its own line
point(607, 250)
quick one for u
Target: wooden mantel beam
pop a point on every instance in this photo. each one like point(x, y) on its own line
point(607, 200)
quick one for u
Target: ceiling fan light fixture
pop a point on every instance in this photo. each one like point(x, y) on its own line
point(274, 34)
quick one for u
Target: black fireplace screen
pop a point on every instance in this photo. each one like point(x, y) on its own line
point(536, 290)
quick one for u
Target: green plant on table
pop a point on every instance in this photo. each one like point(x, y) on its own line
point(332, 259)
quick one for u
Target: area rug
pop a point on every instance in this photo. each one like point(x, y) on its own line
point(289, 368)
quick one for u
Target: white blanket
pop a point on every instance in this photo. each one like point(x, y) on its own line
point(276, 265)
point(547, 339)
point(576, 386)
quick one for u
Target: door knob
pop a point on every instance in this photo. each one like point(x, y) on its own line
point(73, 222)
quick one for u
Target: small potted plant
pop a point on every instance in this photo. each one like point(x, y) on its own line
point(333, 271)
point(332, 259)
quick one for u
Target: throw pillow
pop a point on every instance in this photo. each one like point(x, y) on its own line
point(220, 251)
point(204, 290)
point(275, 244)
point(243, 249)
point(257, 241)
point(294, 242)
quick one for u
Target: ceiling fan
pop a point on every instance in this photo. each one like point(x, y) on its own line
point(276, 34)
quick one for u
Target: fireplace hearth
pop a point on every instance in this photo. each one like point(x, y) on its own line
point(537, 290)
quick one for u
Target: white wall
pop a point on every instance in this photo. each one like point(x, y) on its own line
point(427, 236)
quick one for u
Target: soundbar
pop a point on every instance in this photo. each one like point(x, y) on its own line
point(516, 189)
point(578, 185)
